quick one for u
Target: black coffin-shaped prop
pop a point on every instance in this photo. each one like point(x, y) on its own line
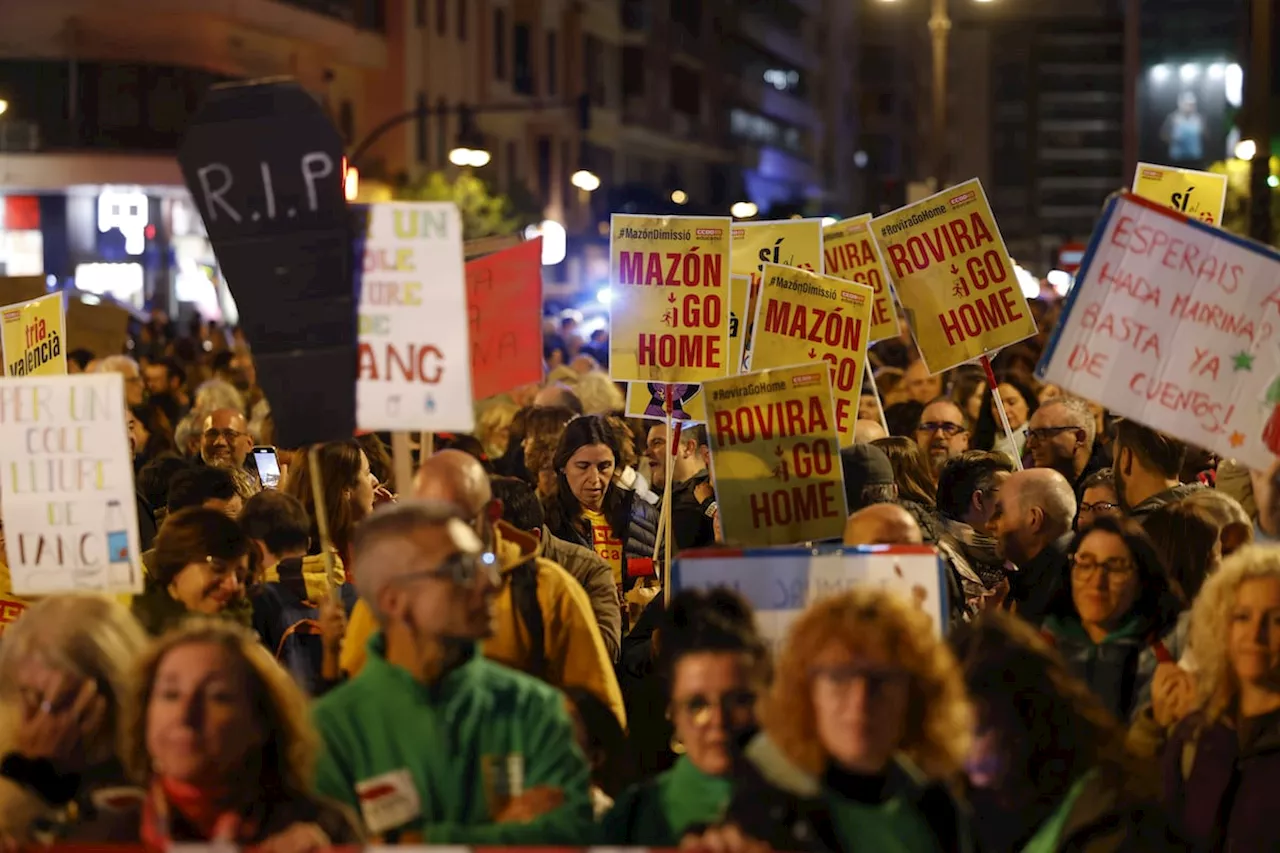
point(264, 165)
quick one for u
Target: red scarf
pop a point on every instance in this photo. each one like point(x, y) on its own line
point(201, 808)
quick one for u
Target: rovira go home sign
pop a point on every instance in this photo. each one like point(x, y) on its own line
point(954, 276)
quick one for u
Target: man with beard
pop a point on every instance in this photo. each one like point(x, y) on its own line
point(1060, 435)
point(1146, 469)
point(226, 443)
point(1031, 524)
point(942, 433)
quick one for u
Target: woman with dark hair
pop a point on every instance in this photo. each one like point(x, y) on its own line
point(349, 488)
point(1020, 403)
point(586, 506)
point(713, 664)
point(916, 491)
point(1186, 538)
point(967, 392)
point(1048, 770)
point(201, 566)
point(1117, 616)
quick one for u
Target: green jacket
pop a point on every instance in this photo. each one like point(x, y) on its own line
point(417, 762)
point(658, 812)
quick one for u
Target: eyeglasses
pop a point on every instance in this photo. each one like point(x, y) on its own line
point(460, 568)
point(950, 430)
point(699, 707)
point(229, 434)
point(1085, 566)
point(1049, 433)
point(1100, 506)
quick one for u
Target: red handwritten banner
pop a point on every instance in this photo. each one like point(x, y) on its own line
point(1174, 323)
point(504, 299)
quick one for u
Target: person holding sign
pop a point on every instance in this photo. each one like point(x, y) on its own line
point(869, 718)
point(715, 664)
point(587, 507)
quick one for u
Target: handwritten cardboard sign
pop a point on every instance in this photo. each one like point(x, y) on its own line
point(70, 515)
point(775, 456)
point(504, 300)
point(804, 316)
point(669, 316)
point(415, 354)
point(954, 277)
point(1174, 323)
point(779, 583)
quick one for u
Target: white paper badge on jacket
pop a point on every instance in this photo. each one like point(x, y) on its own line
point(388, 801)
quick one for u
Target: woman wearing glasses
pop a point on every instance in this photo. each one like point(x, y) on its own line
point(1118, 616)
point(201, 567)
point(866, 728)
point(714, 663)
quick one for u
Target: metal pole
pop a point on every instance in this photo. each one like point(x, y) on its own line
point(940, 30)
point(1257, 99)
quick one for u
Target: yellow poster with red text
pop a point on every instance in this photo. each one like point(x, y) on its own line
point(804, 317)
point(954, 277)
point(1199, 195)
point(775, 457)
point(33, 337)
point(669, 313)
point(789, 242)
point(849, 253)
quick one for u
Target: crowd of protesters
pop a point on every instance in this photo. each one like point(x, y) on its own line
point(484, 656)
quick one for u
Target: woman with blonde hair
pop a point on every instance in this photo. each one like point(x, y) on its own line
point(63, 669)
point(1222, 764)
point(219, 736)
point(866, 727)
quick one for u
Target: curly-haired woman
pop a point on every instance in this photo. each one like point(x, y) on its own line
point(866, 726)
point(1222, 764)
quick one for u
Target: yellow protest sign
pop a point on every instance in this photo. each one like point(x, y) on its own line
point(33, 337)
point(804, 317)
point(789, 242)
point(645, 400)
point(739, 292)
point(775, 456)
point(849, 253)
point(669, 311)
point(953, 276)
point(1199, 195)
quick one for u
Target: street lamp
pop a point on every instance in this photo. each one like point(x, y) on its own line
point(464, 156)
point(4, 106)
point(940, 29)
point(585, 180)
point(679, 197)
point(1246, 149)
point(744, 209)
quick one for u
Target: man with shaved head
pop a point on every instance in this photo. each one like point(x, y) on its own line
point(567, 650)
point(865, 432)
point(882, 524)
point(427, 708)
point(1031, 523)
